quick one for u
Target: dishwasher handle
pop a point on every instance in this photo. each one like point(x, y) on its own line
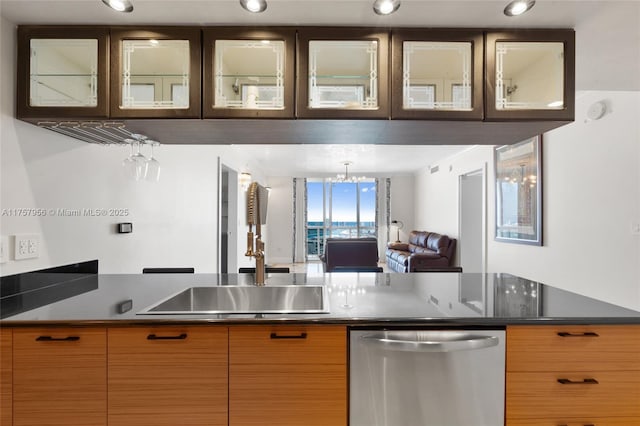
point(466, 343)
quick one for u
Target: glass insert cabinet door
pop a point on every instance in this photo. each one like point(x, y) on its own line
point(62, 72)
point(156, 73)
point(437, 73)
point(531, 74)
point(342, 74)
point(249, 72)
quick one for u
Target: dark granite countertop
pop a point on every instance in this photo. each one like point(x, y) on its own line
point(369, 299)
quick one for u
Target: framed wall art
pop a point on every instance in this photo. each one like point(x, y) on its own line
point(518, 172)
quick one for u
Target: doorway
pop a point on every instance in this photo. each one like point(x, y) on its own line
point(472, 221)
point(227, 223)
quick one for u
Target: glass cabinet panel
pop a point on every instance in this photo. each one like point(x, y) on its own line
point(63, 73)
point(249, 74)
point(343, 74)
point(437, 75)
point(529, 75)
point(155, 74)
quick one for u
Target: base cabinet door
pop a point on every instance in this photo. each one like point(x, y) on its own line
point(59, 377)
point(168, 376)
point(582, 421)
point(6, 376)
point(287, 376)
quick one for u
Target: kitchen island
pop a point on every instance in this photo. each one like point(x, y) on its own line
point(86, 351)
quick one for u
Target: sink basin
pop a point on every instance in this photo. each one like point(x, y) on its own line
point(228, 299)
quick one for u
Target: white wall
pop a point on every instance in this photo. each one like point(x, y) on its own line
point(175, 221)
point(279, 239)
point(591, 199)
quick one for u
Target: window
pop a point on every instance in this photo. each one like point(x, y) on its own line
point(339, 210)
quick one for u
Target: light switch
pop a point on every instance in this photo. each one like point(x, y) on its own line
point(4, 249)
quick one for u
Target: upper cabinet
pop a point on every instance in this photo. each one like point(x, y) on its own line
point(342, 73)
point(62, 74)
point(249, 73)
point(530, 74)
point(437, 74)
point(155, 73)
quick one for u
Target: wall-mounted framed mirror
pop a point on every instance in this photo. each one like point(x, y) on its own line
point(437, 74)
point(342, 73)
point(248, 73)
point(62, 74)
point(530, 74)
point(155, 73)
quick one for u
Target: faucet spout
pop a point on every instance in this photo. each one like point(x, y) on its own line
point(256, 214)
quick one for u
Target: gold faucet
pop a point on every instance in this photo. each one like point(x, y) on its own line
point(256, 215)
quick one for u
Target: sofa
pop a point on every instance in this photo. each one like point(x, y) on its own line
point(350, 254)
point(425, 251)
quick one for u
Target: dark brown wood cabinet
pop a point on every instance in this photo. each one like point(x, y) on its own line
point(248, 72)
point(437, 74)
point(530, 75)
point(168, 376)
point(342, 73)
point(155, 72)
point(60, 377)
point(62, 72)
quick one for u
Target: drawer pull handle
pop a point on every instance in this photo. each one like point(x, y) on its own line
point(580, 382)
point(586, 424)
point(178, 337)
point(57, 339)
point(585, 334)
point(297, 336)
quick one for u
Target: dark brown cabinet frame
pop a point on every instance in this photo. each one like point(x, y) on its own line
point(118, 34)
point(210, 35)
point(307, 34)
point(475, 37)
point(565, 36)
point(23, 95)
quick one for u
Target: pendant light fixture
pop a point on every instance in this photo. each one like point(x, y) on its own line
point(346, 177)
point(385, 7)
point(124, 6)
point(254, 6)
point(518, 7)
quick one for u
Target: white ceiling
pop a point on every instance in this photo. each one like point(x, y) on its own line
point(607, 50)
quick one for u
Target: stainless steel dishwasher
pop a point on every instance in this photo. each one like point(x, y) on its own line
point(427, 378)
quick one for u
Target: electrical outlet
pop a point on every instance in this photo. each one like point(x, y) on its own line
point(4, 249)
point(27, 246)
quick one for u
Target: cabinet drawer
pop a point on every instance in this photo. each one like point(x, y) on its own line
point(613, 421)
point(59, 377)
point(539, 394)
point(573, 348)
point(168, 376)
point(288, 395)
point(288, 345)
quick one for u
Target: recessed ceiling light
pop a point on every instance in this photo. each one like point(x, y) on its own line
point(254, 6)
point(518, 7)
point(119, 5)
point(385, 7)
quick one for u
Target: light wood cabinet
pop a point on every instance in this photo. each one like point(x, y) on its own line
point(59, 377)
point(564, 374)
point(168, 376)
point(287, 375)
point(6, 376)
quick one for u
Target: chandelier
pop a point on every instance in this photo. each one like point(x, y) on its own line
point(346, 177)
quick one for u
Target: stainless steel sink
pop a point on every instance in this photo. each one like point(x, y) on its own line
point(228, 299)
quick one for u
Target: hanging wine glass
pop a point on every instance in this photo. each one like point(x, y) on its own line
point(153, 165)
point(139, 159)
point(128, 164)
